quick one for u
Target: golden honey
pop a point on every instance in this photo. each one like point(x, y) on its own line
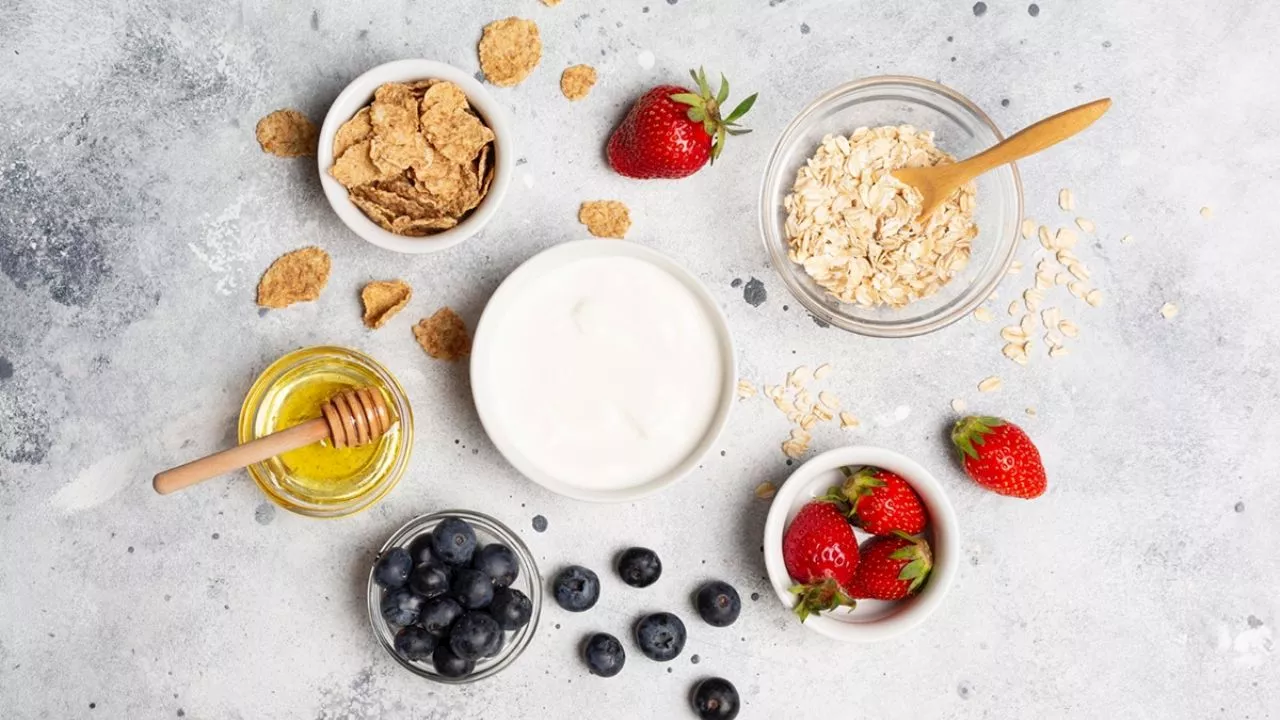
point(321, 480)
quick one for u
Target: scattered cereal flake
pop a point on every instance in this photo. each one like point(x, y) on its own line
point(991, 384)
point(1058, 351)
point(746, 389)
point(822, 371)
point(1126, 239)
point(1031, 411)
point(382, 299)
point(1013, 334)
point(793, 449)
point(509, 50)
point(1052, 339)
point(982, 314)
point(829, 399)
point(443, 335)
point(1027, 324)
point(1013, 308)
point(1015, 267)
point(1206, 212)
point(287, 133)
point(1044, 281)
point(1014, 350)
point(1168, 310)
point(1046, 240)
point(1028, 228)
point(1086, 225)
point(355, 130)
point(605, 218)
point(1064, 239)
point(1078, 269)
point(1093, 297)
point(1063, 278)
point(799, 377)
point(1068, 328)
point(1050, 317)
point(577, 81)
point(773, 391)
point(1066, 200)
point(1078, 288)
point(764, 490)
point(958, 405)
point(298, 276)
point(848, 421)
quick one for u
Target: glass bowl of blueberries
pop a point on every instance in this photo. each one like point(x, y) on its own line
point(454, 596)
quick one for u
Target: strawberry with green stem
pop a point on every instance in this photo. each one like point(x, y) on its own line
point(999, 456)
point(892, 567)
point(881, 502)
point(672, 131)
point(821, 554)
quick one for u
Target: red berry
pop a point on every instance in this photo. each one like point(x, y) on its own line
point(882, 503)
point(671, 131)
point(999, 456)
point(892, 567)
point(821, 555)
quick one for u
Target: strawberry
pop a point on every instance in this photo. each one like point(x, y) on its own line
point(999, 456)
point(881, 502)
point(821, 555)
point(671, 131)
point(892, 567)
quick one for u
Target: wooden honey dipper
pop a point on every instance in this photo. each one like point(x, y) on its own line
point(349, 419)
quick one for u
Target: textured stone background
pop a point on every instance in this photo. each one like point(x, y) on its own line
point(136, 214)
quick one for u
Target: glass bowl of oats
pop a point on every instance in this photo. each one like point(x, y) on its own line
point(845, 236)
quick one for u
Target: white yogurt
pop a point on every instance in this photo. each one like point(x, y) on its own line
point(607, 373)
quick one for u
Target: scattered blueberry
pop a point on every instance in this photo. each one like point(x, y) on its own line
point(660, 636)
point(472, 588)
point(439, 613)
point(450, 665)
point(414, 643)
point(604, 654)
point(577, 588)
point(392, 570)
point(511, 608)
point(639, 567)
point(498, 562)
point(718, 603)
point(715, 699)
point(402, 607)
point(420, 550)
point(474, 636)
point(453, 541)
point(430, 580)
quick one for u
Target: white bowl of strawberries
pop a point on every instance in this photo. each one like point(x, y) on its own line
point(861, 543)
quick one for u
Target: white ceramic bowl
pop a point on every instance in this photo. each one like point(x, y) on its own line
point(360, 93)
point(511, 292)
point(871, 619)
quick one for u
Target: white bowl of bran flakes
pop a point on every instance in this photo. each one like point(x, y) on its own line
point(359, 94)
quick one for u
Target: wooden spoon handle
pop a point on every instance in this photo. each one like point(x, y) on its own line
point(183, 476)
point(1034, 138)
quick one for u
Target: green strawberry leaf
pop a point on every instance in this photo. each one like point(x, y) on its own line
point(724, 90)
point(742, 108)
point(689, 99)
point(737, 131)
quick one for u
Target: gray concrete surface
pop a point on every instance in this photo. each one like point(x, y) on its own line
point(136, 214)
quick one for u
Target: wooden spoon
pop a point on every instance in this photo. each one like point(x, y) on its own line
point(349, 419)
point(938, 182)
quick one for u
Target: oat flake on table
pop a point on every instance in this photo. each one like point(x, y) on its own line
point(443, 336)
point(854, 228)
point(298, 276)
point(287, 133)
point(576, 81)
point(382, 299)
point(605, 218)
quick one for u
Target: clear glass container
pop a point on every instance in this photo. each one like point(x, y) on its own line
point(528, 581)
point(320, 480)
point(961, 129)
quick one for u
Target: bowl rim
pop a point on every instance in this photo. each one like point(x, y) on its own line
point(357, 93)
point(558, 256)
point(528, 568)
point(781, 263)
point(943, 521)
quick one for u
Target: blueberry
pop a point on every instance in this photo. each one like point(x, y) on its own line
point(718, 603)
point(475, 635)
point(604, 655)
point(472, 588)
point(498, 562)
point(430, 580)
point(450, 665)
point(439, 613)
point(453, 541)
point(392, 570)
point(420, 550)
point(715, 699)
point(402, 607)
point(511, 608)
point(576, 588)
point(414, 643)
point(660, 636)
point(639, 567)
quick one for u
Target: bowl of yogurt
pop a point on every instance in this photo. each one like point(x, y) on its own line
point(603, 370)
